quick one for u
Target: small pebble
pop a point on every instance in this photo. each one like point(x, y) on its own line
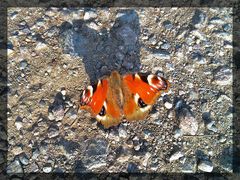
point(223, 76)
point(23, 64)
point(17, 150)
point(42, 103)
point(10, 52)
point(89, 15)
point(51, 12)
point(182, 159)
point(170, 66)
point(165, 46)
point(24, 159)
point(227, 27)
point(188, 123)
point(181, 92)
point(122, 131)
point(18, 125)
point(222, 139)
point(199, 35)
point(13, 15)
point(58, 112)
point(147, 133)
point(63, 91)
point(47, 169)
point(40, 46)
point(15, 167)
point(210, 153)
point(146, 159)
point(176, 156)
point(158, 55)
point(168, 105)
point(53, 132)
point(51, 116)
point(35, 153)
point(65, 66)
point(211, 126)
point(33, 167)
point(189, 165)
point(177, 133)
point(216, 20)
point(205, 166)
point(167, 24)
point(193, 95)
point(71, 113)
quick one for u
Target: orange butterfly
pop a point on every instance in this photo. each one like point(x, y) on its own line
point(116, 97)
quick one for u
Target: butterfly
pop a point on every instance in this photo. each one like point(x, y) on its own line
point(116, 97)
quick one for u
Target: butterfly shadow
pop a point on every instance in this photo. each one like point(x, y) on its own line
point(102, 50)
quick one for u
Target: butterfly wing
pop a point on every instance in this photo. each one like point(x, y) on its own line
point(100, 100)
point(140, 93)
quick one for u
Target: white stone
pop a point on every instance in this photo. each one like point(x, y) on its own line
point(198, 34)
point(63, 92)
point(168, 105)
point(122, 132)
point(51, 116)
point(177, 133)
point(216, 21)
point(89, 15)
point(181, 92)
point(17, 150)
point(9, 52)
point(146, 158)
point(18, 125)
point(94, 26)
point(205, 166)
point(47, 169)
point(96, 166)
point(176, 156)
point(40, 46)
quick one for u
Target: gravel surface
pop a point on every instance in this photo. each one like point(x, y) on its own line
point(54, 53)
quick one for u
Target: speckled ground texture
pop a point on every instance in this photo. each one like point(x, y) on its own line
point(54, 53)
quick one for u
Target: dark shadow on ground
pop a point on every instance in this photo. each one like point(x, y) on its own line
point(104, 51)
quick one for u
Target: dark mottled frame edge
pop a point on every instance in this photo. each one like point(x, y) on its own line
point(124, 3)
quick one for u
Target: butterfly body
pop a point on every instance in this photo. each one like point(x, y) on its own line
point(116, 97)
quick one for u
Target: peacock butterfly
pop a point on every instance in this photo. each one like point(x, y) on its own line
point(130, 96)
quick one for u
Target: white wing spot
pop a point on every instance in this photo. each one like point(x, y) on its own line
point(101, 118)
point(149, 78)
point(90, 88)
point(105, 105)
point(152, 89)
point(137, 76)
point(136, 97)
